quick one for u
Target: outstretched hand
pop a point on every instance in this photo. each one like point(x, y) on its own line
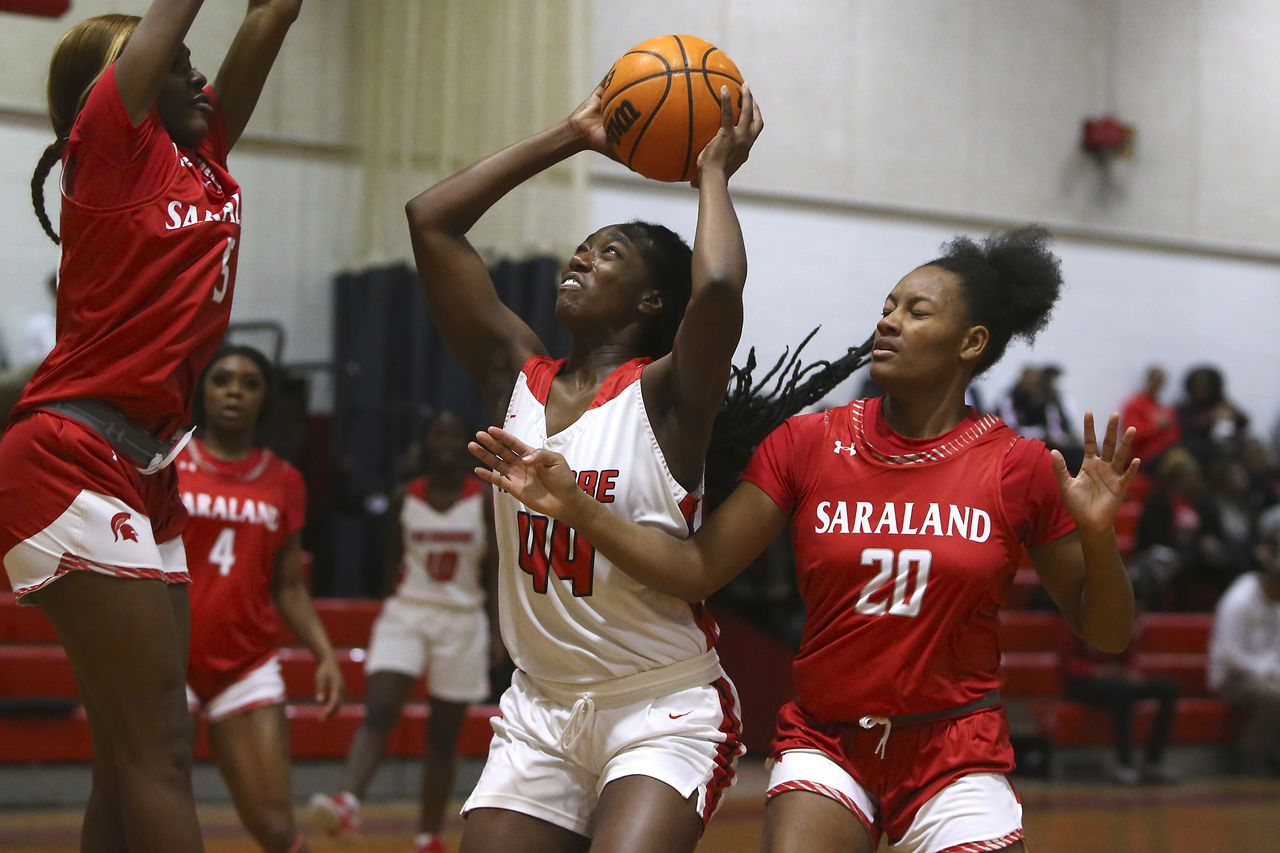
point(539, 479)
point(730, 147)
point(330, 686)
point(1094, 495)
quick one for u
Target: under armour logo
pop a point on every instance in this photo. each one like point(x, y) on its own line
point(121, 527)
point(845, 448)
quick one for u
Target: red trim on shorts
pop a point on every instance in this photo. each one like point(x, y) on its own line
point(830, 793)
point(726, 752)
point(244, 709)
point(75, 563)
point(982, 846)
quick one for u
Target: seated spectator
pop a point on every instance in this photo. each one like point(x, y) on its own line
point(1235, 503)
point(1156, 422)
point(1034, 408)
point(1244, 653)
point(1111, 682)
point(1211, 425)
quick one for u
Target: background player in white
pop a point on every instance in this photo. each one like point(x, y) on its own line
point(89, 529)
point(590, 752)
point(244, 547)
point(435, 624)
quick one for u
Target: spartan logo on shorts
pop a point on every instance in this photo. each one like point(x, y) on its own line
point(121, 527)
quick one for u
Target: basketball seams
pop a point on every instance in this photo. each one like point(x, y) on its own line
point(653, 114)
point(688, 88)
point(673, 73)
point(667, 72)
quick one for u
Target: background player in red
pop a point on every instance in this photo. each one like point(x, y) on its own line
point(653, 329)
point(150, 221)
point(435, 624)
point(907, 515)
point(244, 551)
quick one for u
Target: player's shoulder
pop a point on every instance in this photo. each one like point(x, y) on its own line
point(416, 489)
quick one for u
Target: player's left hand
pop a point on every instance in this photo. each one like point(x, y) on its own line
point(730, 147)
point(330, 688)
point(1093, 496)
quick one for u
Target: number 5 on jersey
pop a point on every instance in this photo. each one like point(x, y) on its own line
point(548, 546)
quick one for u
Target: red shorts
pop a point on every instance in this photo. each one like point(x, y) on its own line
point(69, 503)
point(918, 760)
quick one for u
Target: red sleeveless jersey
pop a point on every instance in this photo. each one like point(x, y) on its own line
point(904, 550)
point(149, 247)
point(241, 514)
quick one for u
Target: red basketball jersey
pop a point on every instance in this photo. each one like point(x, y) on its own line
point(149, 247)
point(241, 514)
point(904, 550)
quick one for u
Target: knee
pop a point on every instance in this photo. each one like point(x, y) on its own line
point(381, 718)
point(274, 830)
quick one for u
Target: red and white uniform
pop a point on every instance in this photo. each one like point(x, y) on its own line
point(904, 550)
point(242, 513)
point(436, 622)
point(614, 678)
point(149, 239)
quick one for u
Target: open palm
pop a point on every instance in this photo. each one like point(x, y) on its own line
point(1094, 495)
point(539, 479)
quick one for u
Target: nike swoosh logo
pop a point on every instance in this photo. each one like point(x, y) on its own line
point(678, 716)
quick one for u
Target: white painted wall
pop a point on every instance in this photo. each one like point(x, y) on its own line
point(1123, 307)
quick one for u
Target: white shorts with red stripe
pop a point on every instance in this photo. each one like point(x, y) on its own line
point(976, 813)
point(450, 647)
point(551, 758)
point(259, 687)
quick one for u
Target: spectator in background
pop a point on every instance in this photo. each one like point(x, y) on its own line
point(1235, 513)
point(1111, 682)
point(1244, 653)
point(1156, 422)
point(1034, 408)
point(1176, 539)
point(1211, 425)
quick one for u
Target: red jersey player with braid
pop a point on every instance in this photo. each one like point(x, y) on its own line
point(244, 550)
point(907, 516)
point(150, 224)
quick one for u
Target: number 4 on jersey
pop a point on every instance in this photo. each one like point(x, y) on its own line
point(223, 552)
point(547, 545)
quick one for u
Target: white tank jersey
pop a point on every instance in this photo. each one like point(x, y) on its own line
point(567, 613)
point(443, 551)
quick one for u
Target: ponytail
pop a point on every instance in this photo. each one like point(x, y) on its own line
point(51, 155)
point(750, 412)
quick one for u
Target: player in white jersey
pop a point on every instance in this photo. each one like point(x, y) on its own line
point(620, 730)
point(435, 624)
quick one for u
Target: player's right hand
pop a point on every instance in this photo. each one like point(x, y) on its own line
point(539, 479)
point(730, 147)
point(587, 121)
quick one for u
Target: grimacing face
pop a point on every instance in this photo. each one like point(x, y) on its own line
point(605, 281)
point(922, 330)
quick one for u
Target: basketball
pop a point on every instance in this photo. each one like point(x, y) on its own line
point(661, 104)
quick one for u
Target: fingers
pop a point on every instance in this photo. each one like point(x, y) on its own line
point(1130, 472)
point(747, 102)
point(1090, 437)
point(1060, 469)
point(484, 455)
point(1124, 451)
point(516, 445)
point(493, 478)
point(1109, 438)
point(726, 109)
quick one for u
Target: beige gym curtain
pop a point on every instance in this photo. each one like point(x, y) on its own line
point(442, 82)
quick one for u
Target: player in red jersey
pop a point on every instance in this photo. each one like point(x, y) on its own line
point(150, 222)
point(907, 515)
point(244, 551)
point(440, 622)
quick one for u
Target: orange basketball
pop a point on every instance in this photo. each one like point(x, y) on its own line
point(662, 104)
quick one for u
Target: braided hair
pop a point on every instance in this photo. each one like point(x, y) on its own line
point(754, 408)
point(81, 58)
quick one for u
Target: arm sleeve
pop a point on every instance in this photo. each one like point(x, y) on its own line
point(295, 500)
point(773, 466)
point(1032, 498)
point(116, 163)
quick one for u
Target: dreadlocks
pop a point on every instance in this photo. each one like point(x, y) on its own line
point(750, 412)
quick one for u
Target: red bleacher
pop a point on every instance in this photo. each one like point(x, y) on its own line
point(34, 667)
point(1171, 644)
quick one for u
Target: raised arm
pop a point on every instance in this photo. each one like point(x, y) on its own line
point(486, 336)
point(697, 370)
point(690, 569)
point(150, 53)
point(1083, 572)
point(249, 59)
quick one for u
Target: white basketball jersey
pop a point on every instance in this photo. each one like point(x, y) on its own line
point(567, 613)
point(443, 551)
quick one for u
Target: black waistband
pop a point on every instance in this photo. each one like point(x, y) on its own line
point(987, 700)
point(127, 438)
